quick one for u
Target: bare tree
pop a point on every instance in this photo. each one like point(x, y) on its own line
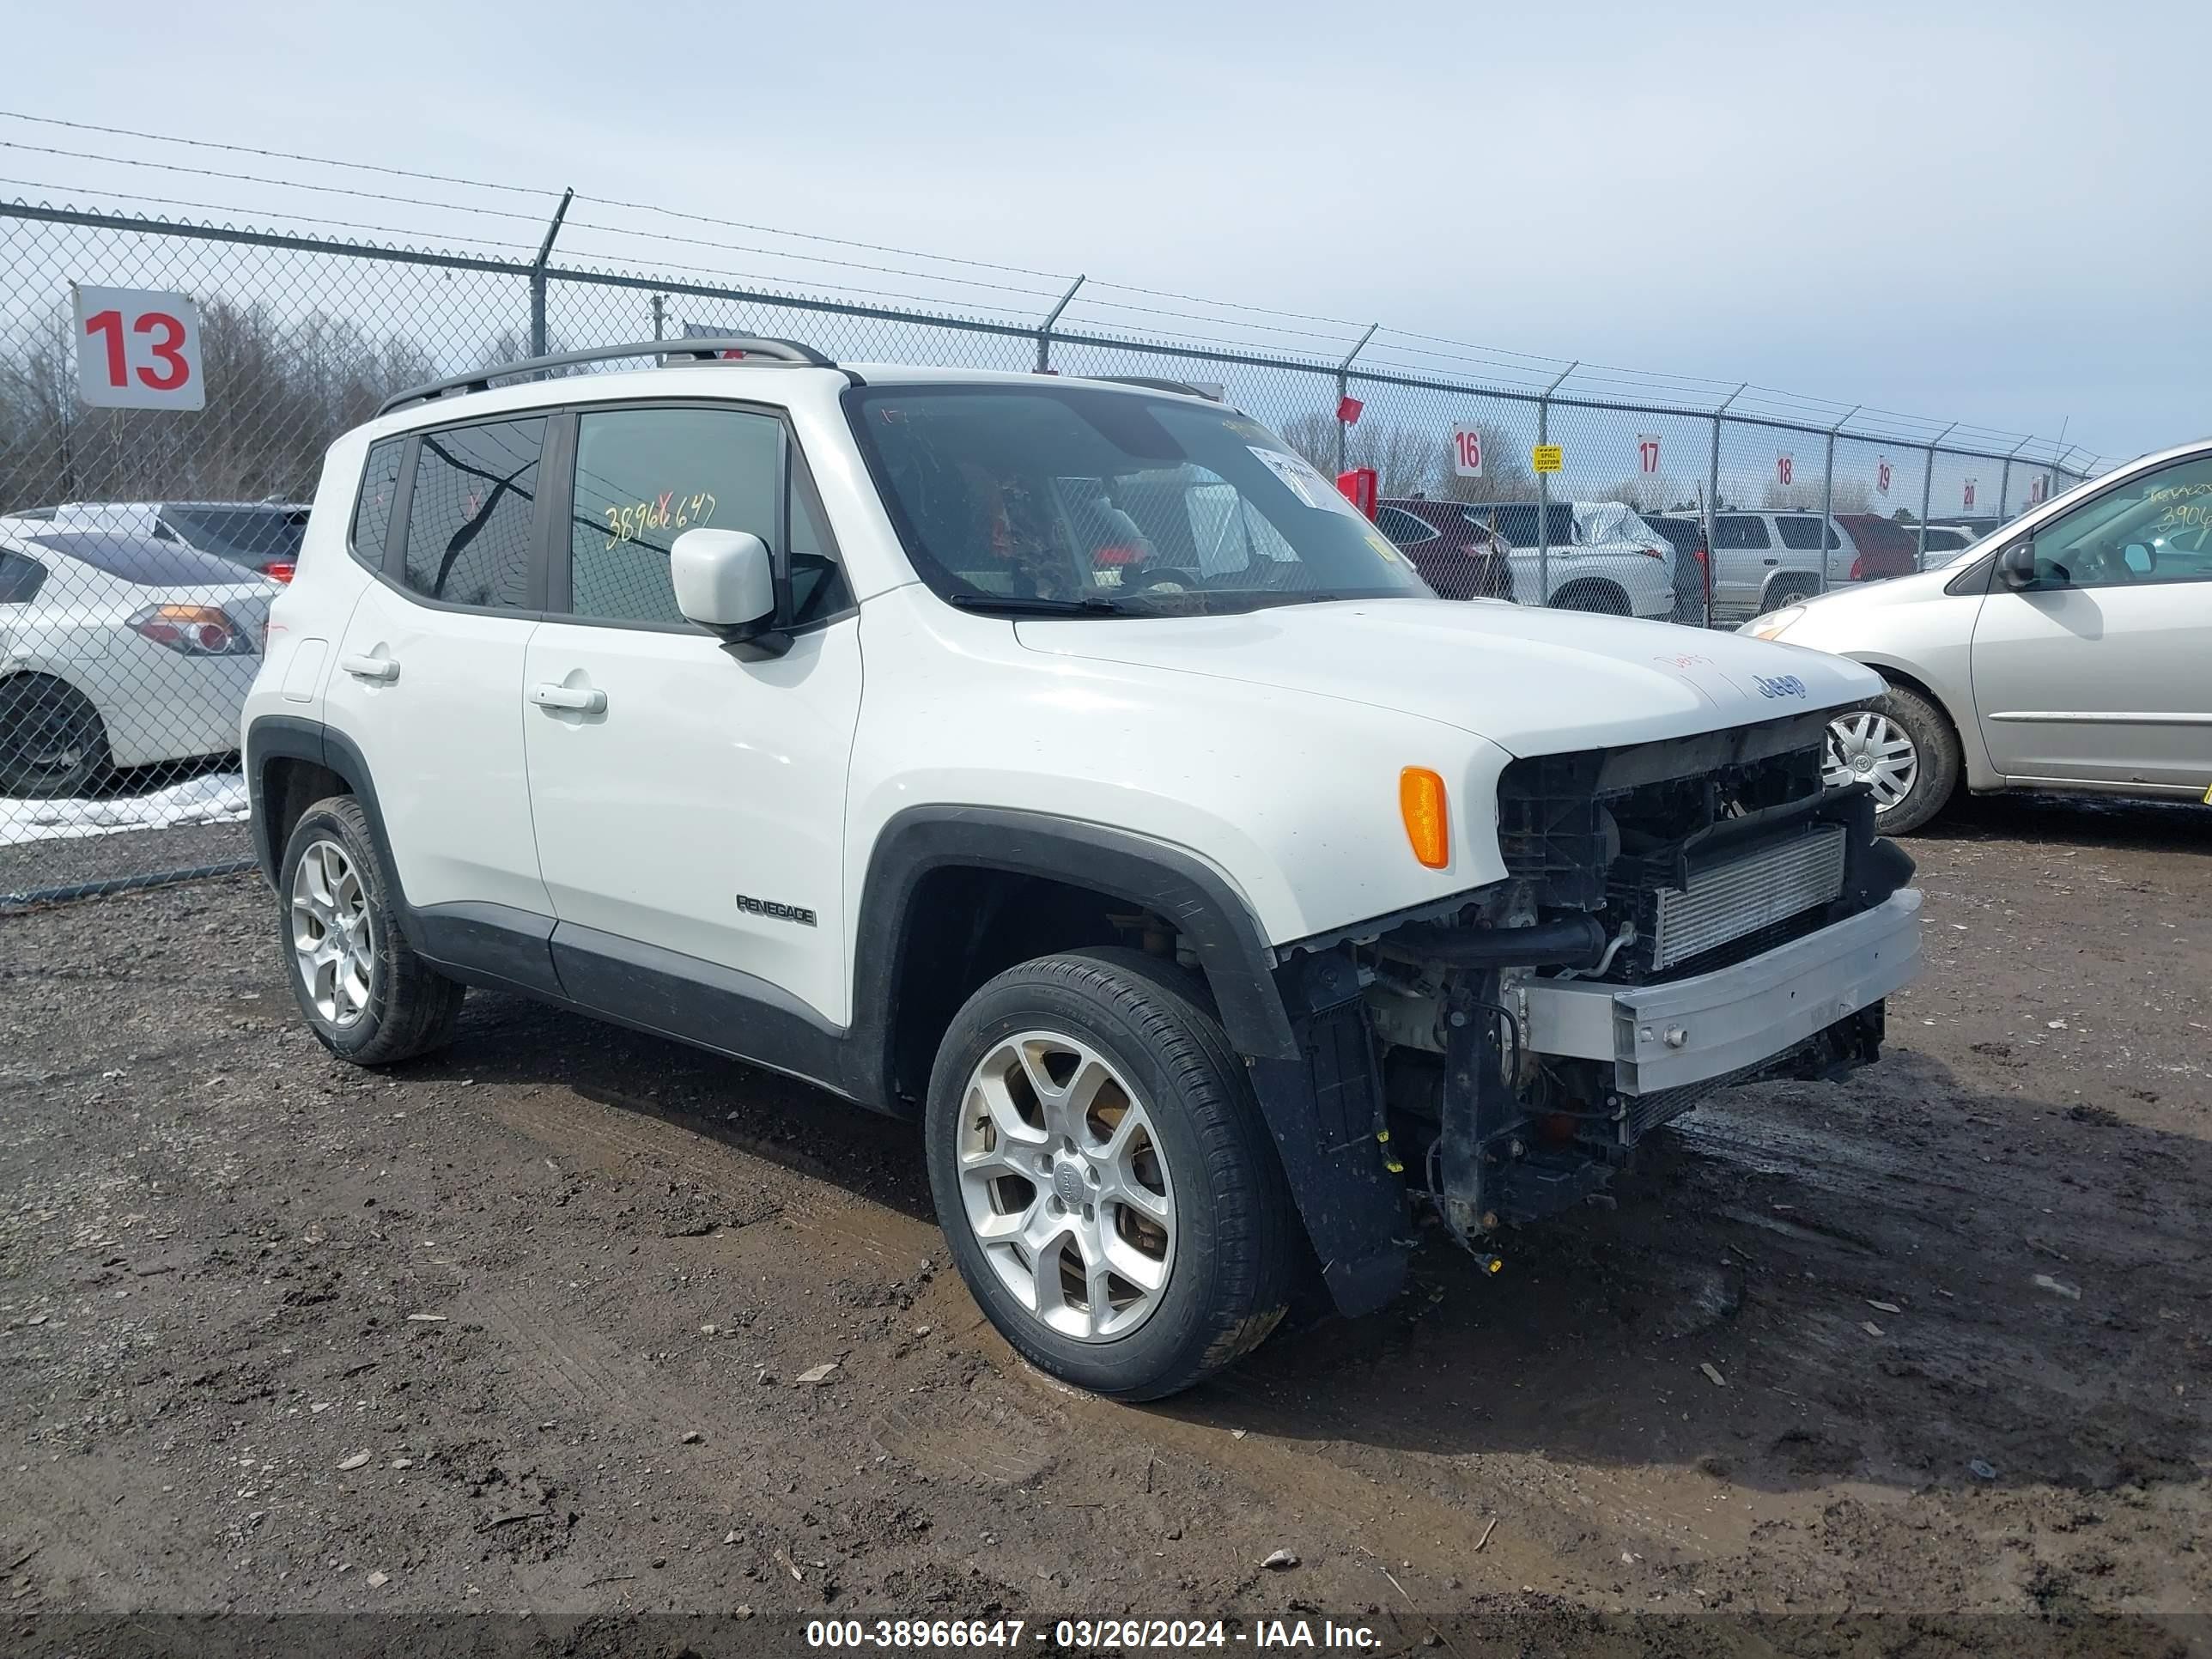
point(1405, 460)
point(1850, 495)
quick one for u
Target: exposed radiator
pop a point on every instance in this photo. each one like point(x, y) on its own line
point(1724, 902)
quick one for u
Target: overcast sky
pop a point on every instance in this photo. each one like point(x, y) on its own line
point(2000, 213)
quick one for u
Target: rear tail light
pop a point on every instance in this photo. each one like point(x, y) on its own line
point(193, 631)
point(280, 570)
point(1858, 568)
point(1115, 553)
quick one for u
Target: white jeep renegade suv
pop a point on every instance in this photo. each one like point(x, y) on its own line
point(1066, 764)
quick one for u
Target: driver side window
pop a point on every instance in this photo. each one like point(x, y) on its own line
point(2155, 530)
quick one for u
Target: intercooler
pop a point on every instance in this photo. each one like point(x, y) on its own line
point(1724, 902)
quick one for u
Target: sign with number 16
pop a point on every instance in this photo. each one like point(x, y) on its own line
point(137, 350)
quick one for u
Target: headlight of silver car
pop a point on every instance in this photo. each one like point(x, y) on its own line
point(1773, 624)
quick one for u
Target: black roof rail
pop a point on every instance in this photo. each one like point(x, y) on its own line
point(1155, 383)
point(743, 348)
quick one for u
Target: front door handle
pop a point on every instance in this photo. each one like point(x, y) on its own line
point(382, 670)
point(1770, 561)
point(570, 699)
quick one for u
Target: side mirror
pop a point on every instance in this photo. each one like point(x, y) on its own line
point(2016, 566)
point(726, 581)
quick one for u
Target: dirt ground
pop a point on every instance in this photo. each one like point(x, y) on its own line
point(524, 1326)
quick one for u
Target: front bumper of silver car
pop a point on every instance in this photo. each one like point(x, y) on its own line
point(1729, 1021)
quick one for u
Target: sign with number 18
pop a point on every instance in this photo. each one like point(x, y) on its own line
point(137, 349)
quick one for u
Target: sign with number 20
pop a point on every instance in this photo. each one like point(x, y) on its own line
point(137, 349)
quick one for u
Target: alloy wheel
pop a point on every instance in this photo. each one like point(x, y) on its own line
point(1066, 1186)
point(333, 940)
point(1873, 750)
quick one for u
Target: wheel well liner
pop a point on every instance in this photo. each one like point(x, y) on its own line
point(1120, 864)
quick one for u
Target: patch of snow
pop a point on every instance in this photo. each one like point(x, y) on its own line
point(218, 799)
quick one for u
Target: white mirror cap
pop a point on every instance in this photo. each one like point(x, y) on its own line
point(723, 577)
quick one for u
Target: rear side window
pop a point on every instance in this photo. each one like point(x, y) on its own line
point(1803, 534)
point(1406, 529)
point(145, 560)
point(19, 578)
point(258, 533)
point(1740, 530)
point(1517, 522)
point(372, 513)
point(471, 519)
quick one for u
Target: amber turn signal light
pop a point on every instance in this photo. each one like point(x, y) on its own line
point(1428, 822)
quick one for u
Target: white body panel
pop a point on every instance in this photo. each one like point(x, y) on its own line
point(700, 778)
point(155, 704)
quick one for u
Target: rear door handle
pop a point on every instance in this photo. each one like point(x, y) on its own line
point(1770, 561)
point(571, 699)
point(383, 670)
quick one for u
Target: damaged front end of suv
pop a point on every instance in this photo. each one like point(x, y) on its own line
point(1677, 917)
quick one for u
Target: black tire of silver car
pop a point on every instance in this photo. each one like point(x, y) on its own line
point(1601, 598)
point(1935, 753)
point(1793, 590)
point(1207, 1285)
point(366, 996)
point(51, 741)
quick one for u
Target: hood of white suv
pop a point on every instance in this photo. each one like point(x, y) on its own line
point(1533, 681)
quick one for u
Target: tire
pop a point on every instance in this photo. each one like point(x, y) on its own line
point(1600, 598)
point(53, 743)
point(1791, 590)
point(378, 1002)
point(1212, 1253)
point(1862, 746)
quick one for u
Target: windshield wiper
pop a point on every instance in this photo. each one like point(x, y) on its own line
point(1015, 605)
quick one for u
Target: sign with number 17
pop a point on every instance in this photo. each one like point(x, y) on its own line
point(137, 349)
point(1647, 452)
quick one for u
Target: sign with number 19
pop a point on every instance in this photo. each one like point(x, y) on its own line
point(137, 349)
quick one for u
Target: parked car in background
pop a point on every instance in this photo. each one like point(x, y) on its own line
point(1886, 547)
point(2072, 650)
point(1763, 561)
point(1694, 573)
point(1602, 556)
point(118, 650)
point(1451, 553)
point(264, 536)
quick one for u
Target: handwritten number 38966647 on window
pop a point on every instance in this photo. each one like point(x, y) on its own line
point(666, 511)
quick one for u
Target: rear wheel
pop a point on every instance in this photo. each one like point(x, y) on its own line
point(365, 993)
point(51, 741)
point(1788, 591)
point(1603, 599)
point(1903, 748)
point(1101, 1169)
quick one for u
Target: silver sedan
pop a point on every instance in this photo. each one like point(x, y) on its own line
point(2072, 650)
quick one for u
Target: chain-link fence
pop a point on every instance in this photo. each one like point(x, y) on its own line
point(140, 548)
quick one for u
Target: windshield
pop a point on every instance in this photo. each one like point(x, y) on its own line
point(271, 533)
point(1079, 499)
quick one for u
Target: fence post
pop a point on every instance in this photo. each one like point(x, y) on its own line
point(1927, 492)
point(1544, 489)
point(2004, 483)
point(1044, 329)
point(1828, 495)
point(1713, 498)
point(538, 277)
point(1344, 388)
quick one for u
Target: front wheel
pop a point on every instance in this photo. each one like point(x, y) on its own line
point(1101, 1168)
point(1902, 747)
point(51, 742)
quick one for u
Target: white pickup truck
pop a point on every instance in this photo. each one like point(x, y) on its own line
point(1066, 765)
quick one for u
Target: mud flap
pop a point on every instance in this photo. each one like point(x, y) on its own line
point(1324, 1110)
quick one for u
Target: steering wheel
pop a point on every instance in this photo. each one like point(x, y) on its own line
point(1163, 578)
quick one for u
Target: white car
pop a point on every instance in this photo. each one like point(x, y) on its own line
point(1067, 765)
point(2070, 651)
point(118, 651)
point(1602, 557)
